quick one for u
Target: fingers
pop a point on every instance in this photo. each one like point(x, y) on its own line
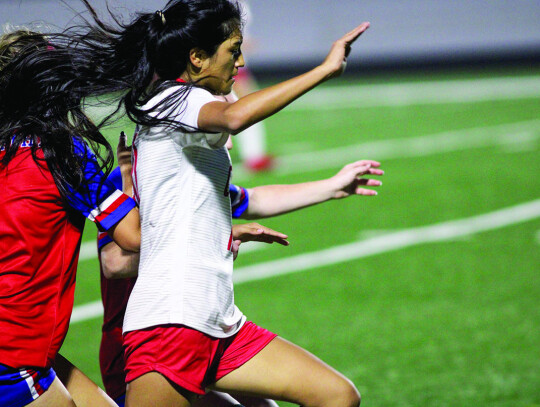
point(235, 248)
point(267, 235)
point(369, 182)
point(122, 146)
point(122, 141)
point(255, 232)
point(370, 163)
point(365, 192)
point(353, 35)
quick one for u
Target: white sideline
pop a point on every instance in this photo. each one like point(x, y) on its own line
point(502, 135)
point(412, 93)
point(363, 248)
point(420, 146)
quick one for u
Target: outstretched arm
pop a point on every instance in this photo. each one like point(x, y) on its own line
point(272, 200)
point(248, 110)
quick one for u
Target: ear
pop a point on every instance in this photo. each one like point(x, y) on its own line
point(197, 57)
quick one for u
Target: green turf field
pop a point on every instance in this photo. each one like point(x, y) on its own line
point(427, 294)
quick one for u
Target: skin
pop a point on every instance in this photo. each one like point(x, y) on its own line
point(217, 72)
point(234, 117)
point(81, 388)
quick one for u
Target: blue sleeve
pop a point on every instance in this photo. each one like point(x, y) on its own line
point(239, 200)
point(103, 237)
point(103, 202)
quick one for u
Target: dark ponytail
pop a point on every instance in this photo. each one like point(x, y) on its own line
point(127, 58)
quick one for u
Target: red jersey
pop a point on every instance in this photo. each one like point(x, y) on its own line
point(39, 247)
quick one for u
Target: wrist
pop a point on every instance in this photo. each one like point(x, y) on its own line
point(324, 72)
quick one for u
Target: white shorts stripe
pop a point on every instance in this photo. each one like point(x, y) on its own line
point(30, 382)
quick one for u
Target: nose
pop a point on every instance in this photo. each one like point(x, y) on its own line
point(240, 61)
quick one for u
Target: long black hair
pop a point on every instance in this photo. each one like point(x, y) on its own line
point(145, 56)
point(41, 103)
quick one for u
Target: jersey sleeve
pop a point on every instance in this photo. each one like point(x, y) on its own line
point(186, 112)
point(102, 203)
point(103, 238)
point(239, 200)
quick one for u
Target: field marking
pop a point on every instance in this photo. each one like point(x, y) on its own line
point(507, 135)
point(396, 94)
point(369, 247)
point(504, 135)
point(413, 93)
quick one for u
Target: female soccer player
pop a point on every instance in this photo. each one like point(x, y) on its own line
point(119, 267)
point(50, 182)
point(182, 331)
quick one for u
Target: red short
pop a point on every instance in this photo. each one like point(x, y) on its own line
point(111, 362)
point(189, 358)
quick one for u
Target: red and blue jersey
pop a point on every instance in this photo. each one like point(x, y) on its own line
point(239, 200)
point(40, 237)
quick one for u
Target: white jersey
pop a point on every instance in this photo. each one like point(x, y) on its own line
point(185, 272)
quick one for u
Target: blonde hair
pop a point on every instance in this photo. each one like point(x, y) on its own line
point(16, 39)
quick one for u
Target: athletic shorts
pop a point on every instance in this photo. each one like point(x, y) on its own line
point(19, 387)
point(111, 362)
point(190, 358)
point(121, 400)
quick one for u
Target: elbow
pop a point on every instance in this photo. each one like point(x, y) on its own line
point(131, 244)
point(235, 127)
point(237, 121)
point(117, 267)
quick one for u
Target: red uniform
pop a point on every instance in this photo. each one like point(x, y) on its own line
point(40, 237)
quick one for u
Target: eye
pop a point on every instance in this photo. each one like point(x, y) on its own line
point(236, 53)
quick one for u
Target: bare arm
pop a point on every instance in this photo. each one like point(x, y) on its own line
point(118, 263)
point(272, 200)
point(127, 232)
point(248, 110)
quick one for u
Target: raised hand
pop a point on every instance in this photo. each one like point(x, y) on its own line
point(123, 155)
point(123, 151)
point(349, 181)
point(336, 60)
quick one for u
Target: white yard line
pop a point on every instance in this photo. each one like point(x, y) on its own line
point(513, 134)
point(413, 93)
point(506, 135)
point(402, 94)
point(389, 242)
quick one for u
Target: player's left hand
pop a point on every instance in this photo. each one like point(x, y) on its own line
point(123, 152)
point(350, 181)
point(253, 232)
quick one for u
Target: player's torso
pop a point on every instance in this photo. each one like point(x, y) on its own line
point(186, 234)
point(39, 242)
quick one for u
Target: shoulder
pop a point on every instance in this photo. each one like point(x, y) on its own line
point(190, 94)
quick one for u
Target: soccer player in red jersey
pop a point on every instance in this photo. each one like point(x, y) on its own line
point(50, 182)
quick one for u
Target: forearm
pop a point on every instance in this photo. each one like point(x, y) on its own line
point(272, 200)
point(118, 263)
point(127, 232)
point(257, 106)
